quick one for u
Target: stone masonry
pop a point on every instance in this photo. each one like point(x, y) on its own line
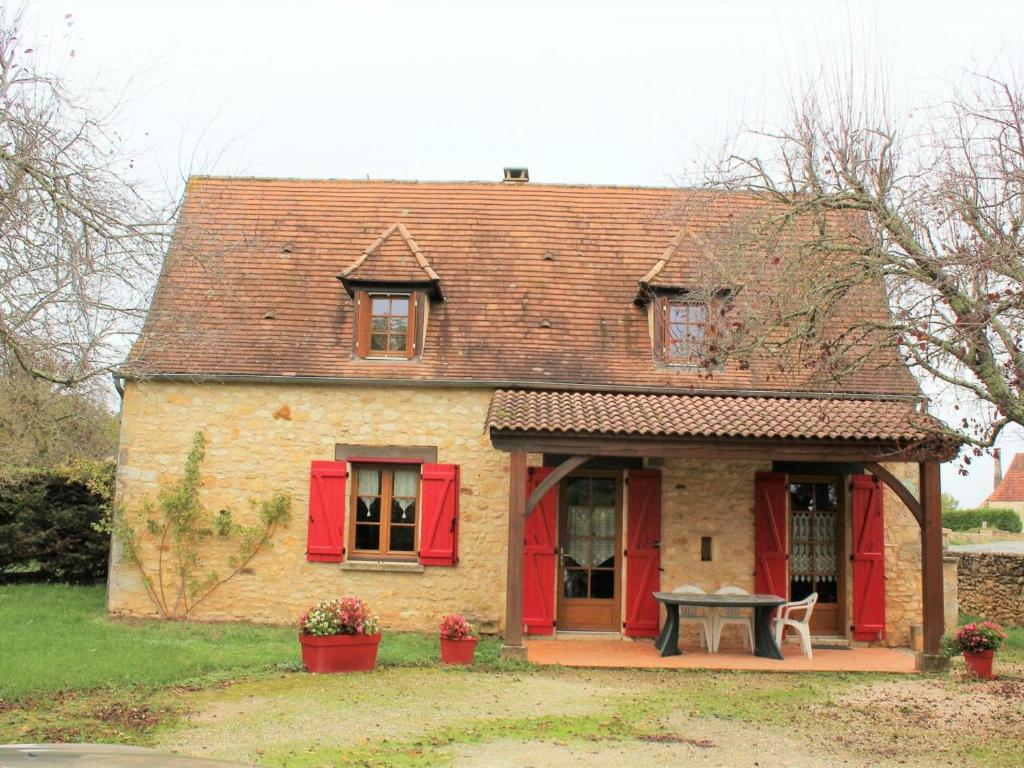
point(261, 438)
point(992, 586)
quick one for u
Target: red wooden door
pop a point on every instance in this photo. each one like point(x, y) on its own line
point(868, 558)
point(771, 549)
point(643, 553)
point(539, 558)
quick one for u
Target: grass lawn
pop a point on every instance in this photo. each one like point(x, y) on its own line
point(67, 673)
point(57, 638)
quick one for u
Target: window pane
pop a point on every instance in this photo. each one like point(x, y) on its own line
point(604, 522)
point(369, 482)
point(399, 324)
point(604, 553)
point(402, 538)
point(604, 492)
point(367, 536)
point(677, 313)
point(826, 496)
point(403, 510)
point(381, 304)
point(602, 584)
point(378, 342)
point(575, 583)
point(406, 482)
point(801, 495)
point(368, 509)
point(577, 490)
point(400, 307)
point(397, 343)
point(380, 325)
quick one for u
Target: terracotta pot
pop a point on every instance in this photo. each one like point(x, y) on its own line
point(339, 653)
point(980, 664)
point(458, 651)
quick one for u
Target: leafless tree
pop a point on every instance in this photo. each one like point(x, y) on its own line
point(80, 245)
point(927, 207)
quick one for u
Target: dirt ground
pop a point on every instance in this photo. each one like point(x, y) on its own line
point(556, 717)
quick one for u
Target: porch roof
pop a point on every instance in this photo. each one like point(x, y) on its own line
point(579, 421)
point(707, 416)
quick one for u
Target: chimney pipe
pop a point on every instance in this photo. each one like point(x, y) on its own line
point(997, 469)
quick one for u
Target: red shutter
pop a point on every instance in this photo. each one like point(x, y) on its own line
point(439, 515)
point(771, 548)
point(539, 558)
point(325, 536)
point(643, 537)
point(868, 559)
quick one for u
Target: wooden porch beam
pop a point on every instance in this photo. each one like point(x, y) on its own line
point(931, 558)
point(708, 448)
point(549, 482)
point(899, 489)
point(514, 571)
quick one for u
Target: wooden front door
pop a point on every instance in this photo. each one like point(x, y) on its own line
point(816, 550)
point(590, 552)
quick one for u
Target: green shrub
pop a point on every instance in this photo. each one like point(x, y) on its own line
point(966, 519)
point(48, 524)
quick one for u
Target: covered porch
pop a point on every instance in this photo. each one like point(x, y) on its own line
point(620, 654)
point(769, 444)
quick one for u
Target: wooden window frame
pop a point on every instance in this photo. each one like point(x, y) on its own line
point(364, 323)
point(703, 355)
point(387, 470)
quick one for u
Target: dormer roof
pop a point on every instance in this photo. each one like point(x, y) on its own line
point(393, 258)
point(1011, 487)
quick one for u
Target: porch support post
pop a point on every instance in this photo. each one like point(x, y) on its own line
point(513, 647)
point(931, 566)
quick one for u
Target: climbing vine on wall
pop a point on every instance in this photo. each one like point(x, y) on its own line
point(168, 539)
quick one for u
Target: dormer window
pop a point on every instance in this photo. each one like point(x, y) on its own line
point(685, 332)
point(685, 325)
point(387, 324)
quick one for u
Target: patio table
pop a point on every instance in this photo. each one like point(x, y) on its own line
point(763, 605)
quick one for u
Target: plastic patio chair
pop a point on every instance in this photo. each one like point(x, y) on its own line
point(801, 625)
point(724, 616)
point(695, 615)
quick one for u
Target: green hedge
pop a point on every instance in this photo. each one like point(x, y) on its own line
point(966, 519)
point(47, 525)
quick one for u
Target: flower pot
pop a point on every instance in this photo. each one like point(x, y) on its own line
point(458, 651)
point(339, 653)
point(980, 664)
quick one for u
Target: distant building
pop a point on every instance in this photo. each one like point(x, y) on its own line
point(1008, 491)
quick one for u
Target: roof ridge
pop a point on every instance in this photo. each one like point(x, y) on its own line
point(463, 182)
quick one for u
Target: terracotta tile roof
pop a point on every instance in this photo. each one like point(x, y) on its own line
point(539, 284)
point(1011, 488)
point(705, 416)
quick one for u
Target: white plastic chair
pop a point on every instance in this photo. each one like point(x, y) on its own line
point(802, 625)
point(724, 616)
point(693, 614)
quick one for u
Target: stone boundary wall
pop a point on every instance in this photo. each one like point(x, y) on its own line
point(991, 585)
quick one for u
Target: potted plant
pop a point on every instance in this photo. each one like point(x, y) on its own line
point(978, 642)
point(339, 635)
point(458, 643)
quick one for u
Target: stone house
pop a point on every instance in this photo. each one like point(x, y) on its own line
point(488, 397)
point(1008, 489)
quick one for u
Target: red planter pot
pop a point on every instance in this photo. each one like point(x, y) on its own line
point(458, 651)
point(980, 664)
point(339, 653)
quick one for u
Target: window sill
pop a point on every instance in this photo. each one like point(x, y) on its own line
point(386, 566)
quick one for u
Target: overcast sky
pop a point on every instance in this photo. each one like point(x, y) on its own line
point(594, 93)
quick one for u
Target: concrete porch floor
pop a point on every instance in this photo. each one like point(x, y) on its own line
point(628, 654)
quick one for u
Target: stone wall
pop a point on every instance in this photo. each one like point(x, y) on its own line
point(256, 447)
point(252, 454)
point(991, 585)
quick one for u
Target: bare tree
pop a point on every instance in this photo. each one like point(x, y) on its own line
point(80, 246)
point(853, 202)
